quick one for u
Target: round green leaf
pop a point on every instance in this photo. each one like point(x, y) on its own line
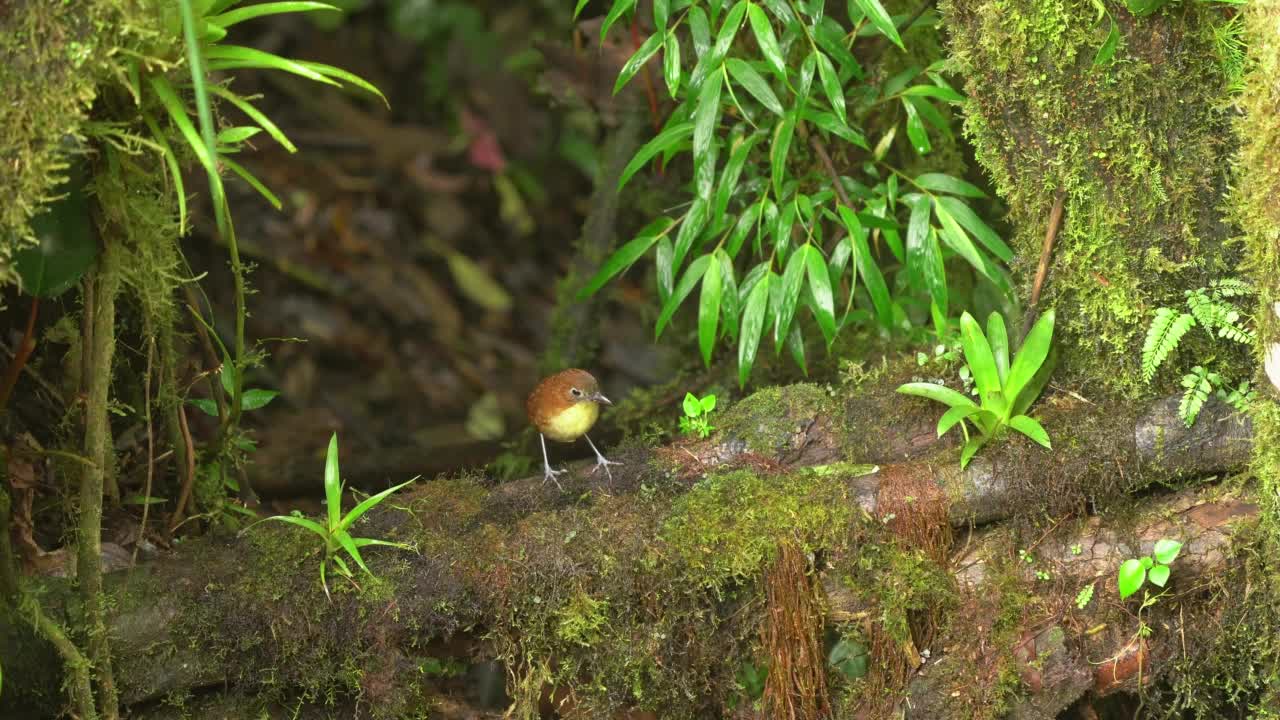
point(1166, 550)
point(1159, 575)
point(1130, 577)
point(67, 246)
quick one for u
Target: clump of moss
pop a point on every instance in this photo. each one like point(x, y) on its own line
point(770, 418)
point(1135, 146)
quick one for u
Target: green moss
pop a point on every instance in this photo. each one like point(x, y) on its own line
point(1138, 147)
point(55, 57)
point(769, 418)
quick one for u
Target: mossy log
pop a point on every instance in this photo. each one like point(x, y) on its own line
point(652, 576)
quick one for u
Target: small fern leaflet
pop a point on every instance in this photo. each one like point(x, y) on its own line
point(1166, 331)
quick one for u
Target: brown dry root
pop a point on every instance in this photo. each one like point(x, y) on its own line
point(796, 686)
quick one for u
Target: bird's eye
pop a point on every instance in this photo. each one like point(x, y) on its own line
point(575, 392)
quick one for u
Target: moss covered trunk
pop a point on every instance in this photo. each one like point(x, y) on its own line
point(1137, 146)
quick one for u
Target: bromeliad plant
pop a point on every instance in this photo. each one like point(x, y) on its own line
point(766, 93)
point(335, 533)
point(1005, 390)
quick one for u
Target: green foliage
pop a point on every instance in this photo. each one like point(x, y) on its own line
point(1210, 308)
point(1005, 390)
point(250, 399)
point(334, 533)
point(1155, 567)
point(849, 658)
point(67, 244)
point(765, 94)
point(697, 415)
point(1084, 597)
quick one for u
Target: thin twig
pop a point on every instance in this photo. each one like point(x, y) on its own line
point(1042, 271)
point(151, 450)
point(189, 476)
point(25, 346)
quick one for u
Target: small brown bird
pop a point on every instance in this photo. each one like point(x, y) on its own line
point(563, 407)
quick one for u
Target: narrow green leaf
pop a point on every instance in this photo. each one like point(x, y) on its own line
point(255, 398)
point(333, 483)
point(795, 345)
point(637, 60)
point(249, 12)
point(880, 18)
point(729, 304)
point(709, 310)
point(692, 276)
point(937, 393)
point(941, 182)
point(960, 242)
point(768, 42)
point(706, 115)
point(665, 140)
point(178, 114)
point(728, 183)
point(253, 181)
point(223, 57)
point(955, 415)
point(662, 260)
point(998, 336)
point(254, 114)
point(931, 115)
point(690, 229)
point(1031, 428)
point(301, 522)
point(754, 83)
point(746, 223)
point(700, 31)
point(971, 448)
point(977, 355)
point(820, 285)
point(208, 407)
point(1031, 355)
point(1109, 46)
point(917, 239)
point(970, 221)
point(916, 133)
point(626, 255)
point(779, 149)
point(753, 317)
point(867, 267)
point(830, 123)
point(577, 10)
point(620, 8)
point(933, 91)
point(671, 63)
point(175, 172)
point(788, 297)
point(831, 85)
point(236, 135)
point(368, 503)
point(336, 73)
point(661, 11)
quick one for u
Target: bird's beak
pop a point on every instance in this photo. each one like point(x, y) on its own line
point(597, 397)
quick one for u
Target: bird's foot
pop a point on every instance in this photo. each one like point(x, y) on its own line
point(549, 474)
point(603, 462)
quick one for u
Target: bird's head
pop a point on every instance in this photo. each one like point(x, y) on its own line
point(579, 386)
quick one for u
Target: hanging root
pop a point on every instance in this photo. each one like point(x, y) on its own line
point(796, 687)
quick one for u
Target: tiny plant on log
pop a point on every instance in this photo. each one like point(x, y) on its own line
point(1005, 390)
point(334, 532)
point(1154, 567)
point(697, 415)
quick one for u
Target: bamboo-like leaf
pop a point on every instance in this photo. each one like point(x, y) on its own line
point(768, 42)
point(788, 298)
point(753, 317)
point(941, 182)
point(779, 149)
point(253, 181)
point(709, 310)
point(705, 115)
point(981, 362)
point(916, 133)
point(627, 254)
point(700, 31)
point(671, 63)
point(998, 336)
point(831, 85)
point(661, 11)
point(637, 60)
point(692, 276)
point(333, 484)
point(820, 285)
point(970, 221)
point(690, 229)
point(881, 20)
point(754, 83)
point(669, 138)
point(933, 91)
point(249, 12)
point(620, 8)
point(830, 123)
point(728, 182)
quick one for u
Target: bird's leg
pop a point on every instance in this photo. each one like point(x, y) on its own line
point(601, 460)
point(548, 473)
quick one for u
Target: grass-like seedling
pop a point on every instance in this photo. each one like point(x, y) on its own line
point(1005, 390)
point(335, 532)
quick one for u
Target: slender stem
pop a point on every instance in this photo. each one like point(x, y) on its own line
point(20, 355)
point(1042, 270)
point(98, 447)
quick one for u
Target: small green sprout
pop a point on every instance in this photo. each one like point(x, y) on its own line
point(334, 532)
point(696, 420)
point(1084, 596)
point(250, 398)
point(1155, 567)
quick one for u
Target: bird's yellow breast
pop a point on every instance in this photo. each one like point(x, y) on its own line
point(572, 423)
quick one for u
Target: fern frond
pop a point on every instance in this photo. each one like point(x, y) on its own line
point(1198, 387)
point(1207, 311)
point(1231, 287)
point(1166, 331)
point(1234, 331)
